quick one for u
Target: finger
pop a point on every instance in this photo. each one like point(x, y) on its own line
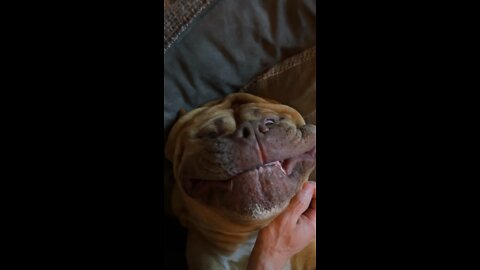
point(301, 201)
point(308, 221)
point(311, 212)
point(313, 203)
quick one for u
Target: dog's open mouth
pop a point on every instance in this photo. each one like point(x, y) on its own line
point(286, 166)
point(280, 172)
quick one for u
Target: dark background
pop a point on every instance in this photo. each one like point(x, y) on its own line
point(82, 101)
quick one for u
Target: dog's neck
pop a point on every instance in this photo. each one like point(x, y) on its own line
point(218, 230)
point(226, 242)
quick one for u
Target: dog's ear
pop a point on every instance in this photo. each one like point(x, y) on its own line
point(169, 148)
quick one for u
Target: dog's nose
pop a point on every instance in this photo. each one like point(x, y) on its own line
point(247, 130)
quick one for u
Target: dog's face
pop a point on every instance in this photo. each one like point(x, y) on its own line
point(245, 157)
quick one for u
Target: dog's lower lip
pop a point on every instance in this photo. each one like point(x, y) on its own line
point(230, 180)
point(286, 166)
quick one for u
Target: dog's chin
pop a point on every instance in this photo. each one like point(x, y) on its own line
point(255, 213)
point(256, 194)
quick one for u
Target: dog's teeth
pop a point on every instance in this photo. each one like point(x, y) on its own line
point(277, 163)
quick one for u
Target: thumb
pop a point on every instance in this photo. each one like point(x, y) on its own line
point(311, 212)
point(301, 201)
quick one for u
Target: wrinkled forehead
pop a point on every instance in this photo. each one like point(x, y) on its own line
point(228, 114)
point(240, 113)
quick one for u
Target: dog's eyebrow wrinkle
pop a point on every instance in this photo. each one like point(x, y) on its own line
point(237, 116)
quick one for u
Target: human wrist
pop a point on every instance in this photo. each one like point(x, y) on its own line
point(266, 260)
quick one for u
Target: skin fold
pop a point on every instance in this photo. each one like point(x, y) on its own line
point(237, 163)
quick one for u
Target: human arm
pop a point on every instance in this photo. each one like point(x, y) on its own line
point(288, 233)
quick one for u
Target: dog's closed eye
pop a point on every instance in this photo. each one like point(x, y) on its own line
point(212, 135)
point(269, 122)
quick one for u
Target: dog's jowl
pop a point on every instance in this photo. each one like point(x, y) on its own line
point(237, 163)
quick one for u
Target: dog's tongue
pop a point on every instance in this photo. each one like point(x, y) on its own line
point(277, 164)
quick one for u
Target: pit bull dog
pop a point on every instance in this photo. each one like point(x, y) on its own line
point(237, 163)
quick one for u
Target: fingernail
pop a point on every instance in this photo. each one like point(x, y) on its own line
point(305, 185)
point(304, 196)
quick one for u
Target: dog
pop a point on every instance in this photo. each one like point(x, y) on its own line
point(237, 163)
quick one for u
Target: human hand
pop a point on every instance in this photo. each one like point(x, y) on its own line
point(288, 233)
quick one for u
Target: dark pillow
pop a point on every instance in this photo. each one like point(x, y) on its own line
point(213, 48)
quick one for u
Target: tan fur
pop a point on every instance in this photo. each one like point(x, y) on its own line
point(220, 234)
